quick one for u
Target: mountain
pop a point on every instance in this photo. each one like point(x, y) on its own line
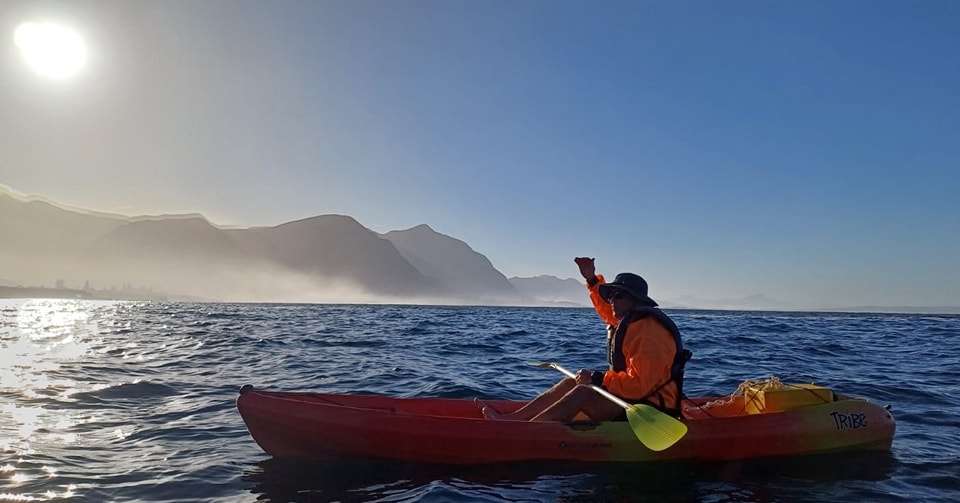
point(190, 237)
point(42, 228)
point(547, 289)
point(453, 265)
point(328, 258)
point(184, 254)
point(336, 247)
point(41, 241)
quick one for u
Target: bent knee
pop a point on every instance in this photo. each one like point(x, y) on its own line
point(585, 389)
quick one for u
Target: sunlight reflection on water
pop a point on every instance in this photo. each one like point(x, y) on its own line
point(36, 339)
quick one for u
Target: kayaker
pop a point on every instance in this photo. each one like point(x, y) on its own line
point(644, 350)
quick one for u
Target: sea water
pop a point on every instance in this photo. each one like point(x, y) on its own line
point(123, 401)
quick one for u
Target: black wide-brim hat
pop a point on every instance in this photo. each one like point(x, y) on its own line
point(631, 284)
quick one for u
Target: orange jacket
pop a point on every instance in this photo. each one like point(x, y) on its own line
point(648, 349)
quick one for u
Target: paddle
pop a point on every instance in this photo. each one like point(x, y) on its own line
point(656, 430)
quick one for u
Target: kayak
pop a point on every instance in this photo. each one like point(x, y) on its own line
point(322, 426)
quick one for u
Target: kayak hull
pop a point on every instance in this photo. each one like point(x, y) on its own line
point(437, 430)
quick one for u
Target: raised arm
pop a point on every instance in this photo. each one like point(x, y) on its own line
point(594, 280)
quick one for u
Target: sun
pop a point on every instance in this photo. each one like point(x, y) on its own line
point(52, 50)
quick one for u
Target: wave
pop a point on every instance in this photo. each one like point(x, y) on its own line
point(127, 391)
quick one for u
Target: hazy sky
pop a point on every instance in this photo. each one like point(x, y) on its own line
point(804, 150)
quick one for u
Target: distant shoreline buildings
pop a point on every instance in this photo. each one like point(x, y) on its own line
point(60, 290)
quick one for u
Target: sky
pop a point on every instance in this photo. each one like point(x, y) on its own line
point(806, 151)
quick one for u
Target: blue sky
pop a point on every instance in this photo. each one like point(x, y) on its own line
point(804, 150)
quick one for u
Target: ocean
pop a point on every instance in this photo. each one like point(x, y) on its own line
point(134, 401)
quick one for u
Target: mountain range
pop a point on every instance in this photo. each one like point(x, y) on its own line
point(326, 258)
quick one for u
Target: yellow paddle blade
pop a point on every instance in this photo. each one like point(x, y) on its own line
point(655, 429)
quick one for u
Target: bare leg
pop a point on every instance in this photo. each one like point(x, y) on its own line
point(580, 399)
point(538, 404)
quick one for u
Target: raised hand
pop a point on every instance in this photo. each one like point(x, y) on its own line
point(587, 269)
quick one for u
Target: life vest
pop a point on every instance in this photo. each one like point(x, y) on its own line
point(618, 362)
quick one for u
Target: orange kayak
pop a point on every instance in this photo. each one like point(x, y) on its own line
point(441, 430)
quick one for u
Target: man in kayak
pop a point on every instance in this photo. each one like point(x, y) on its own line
point(644, 350)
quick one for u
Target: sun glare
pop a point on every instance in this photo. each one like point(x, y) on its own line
point(50, 49)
